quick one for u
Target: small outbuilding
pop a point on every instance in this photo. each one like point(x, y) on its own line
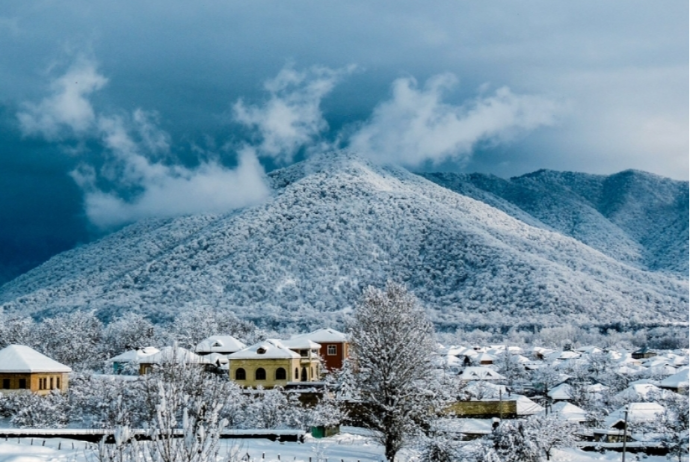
point(23, 368)
point(643, 353)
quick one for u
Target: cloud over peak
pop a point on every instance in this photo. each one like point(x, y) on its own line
point(291, 117)
point(415, 125)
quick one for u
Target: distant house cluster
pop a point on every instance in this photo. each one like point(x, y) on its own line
point(269, 363)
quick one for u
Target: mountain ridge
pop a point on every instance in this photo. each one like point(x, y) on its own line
point(334, 225)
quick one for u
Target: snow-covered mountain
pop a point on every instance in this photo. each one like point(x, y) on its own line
point(337, 223)
point(635, 217)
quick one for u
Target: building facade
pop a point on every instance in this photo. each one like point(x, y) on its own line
point(24, 369)
point(270, 364)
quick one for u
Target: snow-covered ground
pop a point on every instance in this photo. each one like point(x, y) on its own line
point(349, 446)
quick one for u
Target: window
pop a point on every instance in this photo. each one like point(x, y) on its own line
point(261, 374)
point(58, 382)
point(304, 353)
point(41, 383)
point(6, 384)
point(261, 350)
point(22, 384)
point(304, 374)
point(296, 374)
point(281, 374)
point(332, 350)
point(51, 383)
point(240, 374)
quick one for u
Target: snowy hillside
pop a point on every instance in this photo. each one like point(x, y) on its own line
point(338, 223)
point(632, 216)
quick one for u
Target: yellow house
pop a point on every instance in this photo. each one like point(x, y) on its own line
point(271, 363)
point(23, 368)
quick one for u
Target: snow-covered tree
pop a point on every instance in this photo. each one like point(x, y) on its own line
point(74, 339)
point(128, 332)
point(508, 365)
point(550, 432)
point(392, 347)
point(670, 427)
point(512, 441)
point(14, 330)
point(438, 448)
point(28, 410)
point(200, 322)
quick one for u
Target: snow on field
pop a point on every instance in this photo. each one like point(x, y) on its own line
point(347, 447)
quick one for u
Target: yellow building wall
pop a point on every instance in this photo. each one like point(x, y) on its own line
point(33, 382)
point(271, 366)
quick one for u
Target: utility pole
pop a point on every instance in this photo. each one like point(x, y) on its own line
point(625, 432)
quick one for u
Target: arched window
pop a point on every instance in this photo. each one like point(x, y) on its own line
point(304, 375)
point(261, 374)
point(281, 374)
point(296, 374)
point(240, 374)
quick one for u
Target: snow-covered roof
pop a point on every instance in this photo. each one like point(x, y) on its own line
point(561, 392)
point(568, 412)
point(483, 390)
point(639, 391)
point(268, 349)
point(485, 357)
point(677, 380)
point(326, 335)
point(526, 406)
point(300, 343)
point(480, 373)
point(23, 359)
point(220, 344)
point(216, 358)
point(173, 354)
point(134, 356)
point(637, 412)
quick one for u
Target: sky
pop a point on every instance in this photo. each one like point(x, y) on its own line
point(112, 112)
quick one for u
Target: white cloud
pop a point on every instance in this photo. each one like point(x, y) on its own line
point(172, 191)
point(415, 125)
point(67, 107)
point(137, 161)
point(292, 117)
point(165, 190)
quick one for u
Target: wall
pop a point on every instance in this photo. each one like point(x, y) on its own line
point(32, 382)
point(271, 365)
point(483, 409)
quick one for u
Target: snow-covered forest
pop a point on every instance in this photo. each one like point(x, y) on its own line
point(336, 223)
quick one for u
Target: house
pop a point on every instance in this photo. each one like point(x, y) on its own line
point(643, 353)
point(562, 392)
point(271, 363)
point(221, 344)
point(678, 382)
point(567, 412)
point(480, 373)
point(129, 360)
point(485, 359)
point(334, 346)
point(23, 368)
point(169, 355)
point(614, 425)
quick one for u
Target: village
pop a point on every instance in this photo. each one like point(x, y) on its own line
point(598, 400)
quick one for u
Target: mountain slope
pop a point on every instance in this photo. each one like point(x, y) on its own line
point(635, 217)
point(334, 225)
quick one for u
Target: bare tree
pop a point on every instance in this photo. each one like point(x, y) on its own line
point(392, 348)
